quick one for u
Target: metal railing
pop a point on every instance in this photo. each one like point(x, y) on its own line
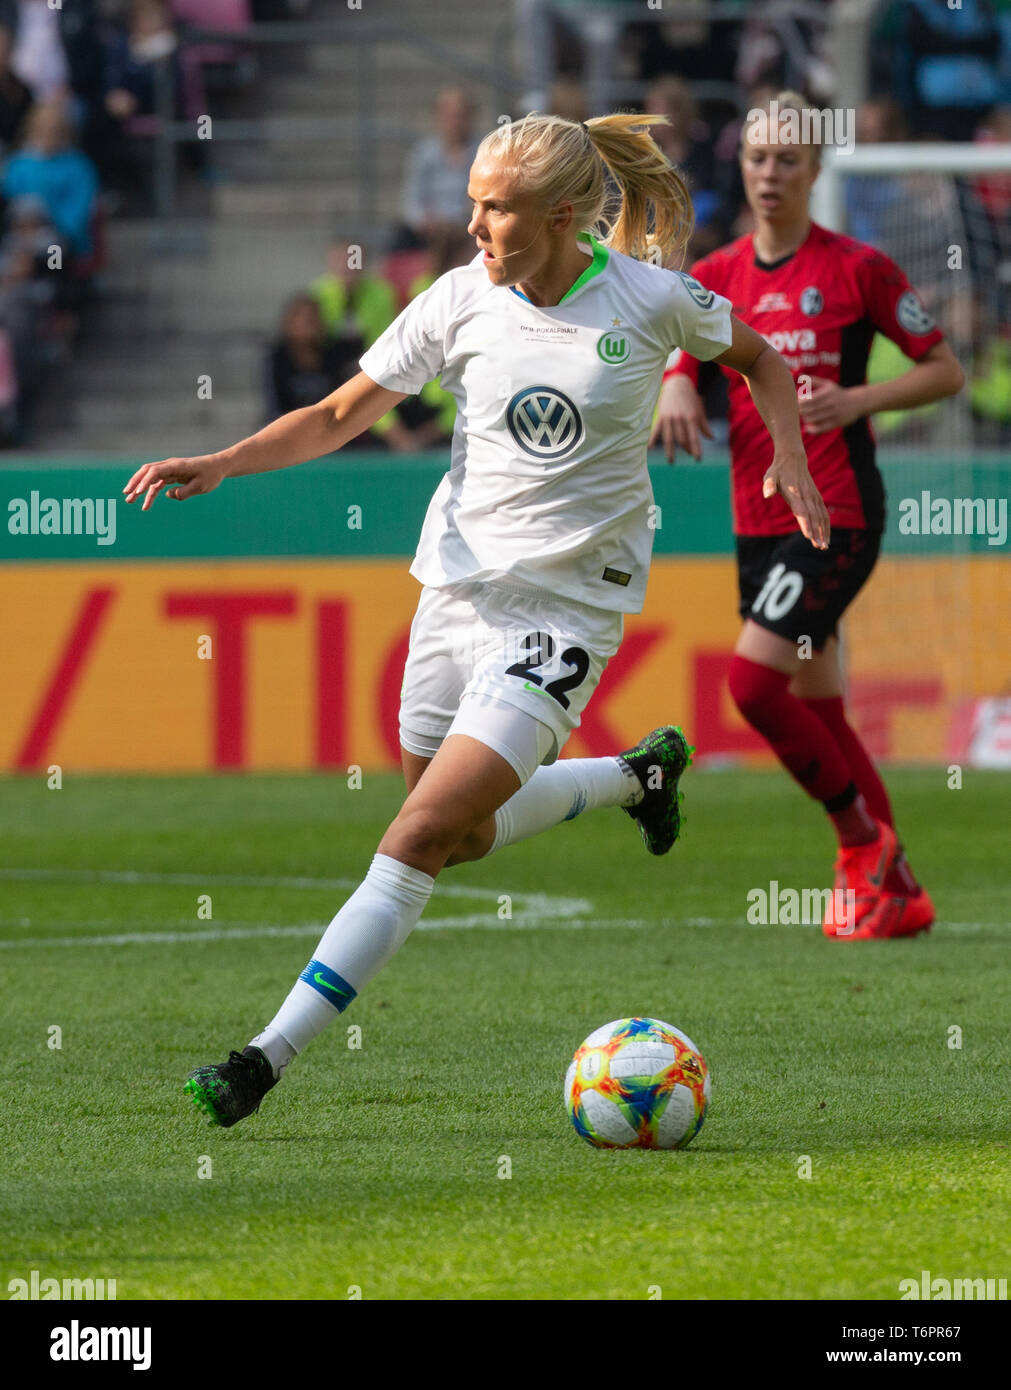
point(369, 38)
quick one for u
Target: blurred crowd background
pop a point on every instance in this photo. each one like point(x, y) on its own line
point(251, 190)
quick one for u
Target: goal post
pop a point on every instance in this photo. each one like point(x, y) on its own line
point(953, 160)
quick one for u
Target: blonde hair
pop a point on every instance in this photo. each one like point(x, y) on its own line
point(562, 161)
point(786, 100)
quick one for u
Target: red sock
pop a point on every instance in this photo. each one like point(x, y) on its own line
point(832, 713)
point(804, 745)
point(854, 823)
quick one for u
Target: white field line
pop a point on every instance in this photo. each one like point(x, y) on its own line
point(544, 903)
point(536, 911)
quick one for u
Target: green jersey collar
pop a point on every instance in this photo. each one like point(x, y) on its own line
point(597, 264)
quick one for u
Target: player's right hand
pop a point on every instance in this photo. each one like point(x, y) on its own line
point(789, 475)
point(183, 477)
point(680, 419)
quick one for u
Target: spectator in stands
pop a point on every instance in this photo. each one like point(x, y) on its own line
point(945, 63)
point(356, 306)
point(687, 143)
point(994, 190)
point(432, 412)
point(36, 326)
point(303, 365)
point(990, 391)
point(438, 169)
point(39, 57)
point(686, 140)
point(133, 60)
point(141, 55)
point(15, 95)
point(26, 298)
point(352, 301)
point(51, 167)
point(57, 51)
point(763, 58)
point(29, 229)
point(693, 46)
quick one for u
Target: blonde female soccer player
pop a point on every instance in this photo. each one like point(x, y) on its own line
point(820, 297)
point(536, 542)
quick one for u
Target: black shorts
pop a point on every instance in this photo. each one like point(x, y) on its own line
point(792, 589)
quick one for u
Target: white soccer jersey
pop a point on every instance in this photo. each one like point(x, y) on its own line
point(548, 485)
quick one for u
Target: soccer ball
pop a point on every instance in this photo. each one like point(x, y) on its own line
point(637, 1083)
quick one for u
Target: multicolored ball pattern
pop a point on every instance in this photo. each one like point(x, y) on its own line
point(637, 1083)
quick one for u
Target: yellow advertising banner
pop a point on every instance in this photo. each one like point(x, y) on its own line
point(203, 665)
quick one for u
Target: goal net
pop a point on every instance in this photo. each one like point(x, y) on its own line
point(929, 642)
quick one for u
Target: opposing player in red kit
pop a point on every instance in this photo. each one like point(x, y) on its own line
point(818, 298)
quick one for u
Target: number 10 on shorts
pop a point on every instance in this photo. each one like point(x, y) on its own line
point(779, 592)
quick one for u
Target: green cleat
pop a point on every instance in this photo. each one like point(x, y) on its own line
point(231, 1090)
point(658, 761)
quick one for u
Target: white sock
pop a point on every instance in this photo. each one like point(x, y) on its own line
point(561, 792)
point(369, 929)
point(276, 1048)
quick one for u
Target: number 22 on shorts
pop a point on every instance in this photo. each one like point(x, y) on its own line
point(540, 649)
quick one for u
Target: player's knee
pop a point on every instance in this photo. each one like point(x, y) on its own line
point(473, 846)
point(424, 832)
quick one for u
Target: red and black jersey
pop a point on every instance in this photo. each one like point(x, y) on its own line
point(819, 308)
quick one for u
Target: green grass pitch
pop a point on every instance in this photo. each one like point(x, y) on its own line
point(377, 1168)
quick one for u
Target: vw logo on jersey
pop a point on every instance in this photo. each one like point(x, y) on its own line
point(912, 316)
point(544, 422)
point(811, 301)
point(613, 347)
point(703, 297)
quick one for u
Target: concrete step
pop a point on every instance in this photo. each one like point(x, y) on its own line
point(205, 298)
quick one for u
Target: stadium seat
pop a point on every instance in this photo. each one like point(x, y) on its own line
point(213, 14)
point(231, 15)
point(402, 268)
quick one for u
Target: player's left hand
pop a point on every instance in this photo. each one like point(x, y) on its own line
point(829, 406)
point(788, 475)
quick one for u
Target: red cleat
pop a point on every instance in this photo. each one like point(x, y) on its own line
point(860, 870)
point(894, 916)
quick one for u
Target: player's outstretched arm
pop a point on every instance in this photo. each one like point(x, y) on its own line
point(775, 397)
point(297, 437)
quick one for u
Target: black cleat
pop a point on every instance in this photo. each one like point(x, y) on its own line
point(231, 1090)
point(658, 761)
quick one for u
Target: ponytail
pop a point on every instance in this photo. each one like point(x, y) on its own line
point(565, 161)
point(656, 217)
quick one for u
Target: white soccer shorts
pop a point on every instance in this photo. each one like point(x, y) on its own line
point(487, 659)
